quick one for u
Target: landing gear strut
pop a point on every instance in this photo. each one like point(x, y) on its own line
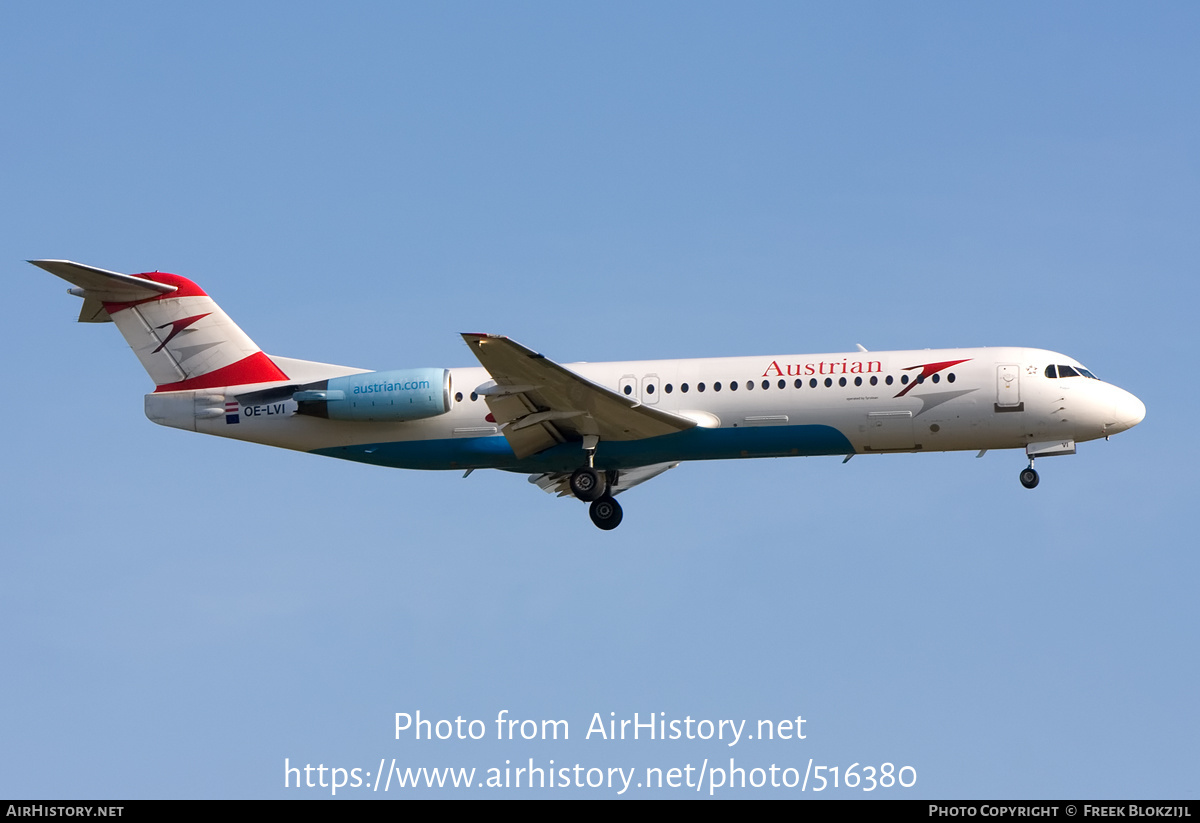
point(1029, 478)
point(606, 513)
point(591, 485)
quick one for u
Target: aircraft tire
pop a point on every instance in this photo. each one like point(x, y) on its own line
point(1029, 478)
point(606, 513)
point(587, 484)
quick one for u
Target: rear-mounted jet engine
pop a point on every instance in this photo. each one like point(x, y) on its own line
point(379, 396)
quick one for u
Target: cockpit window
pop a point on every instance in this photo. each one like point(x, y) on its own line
point(1060, 371)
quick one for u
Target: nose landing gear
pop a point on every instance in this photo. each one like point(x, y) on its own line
point(1045, 448)
point(1029, 478)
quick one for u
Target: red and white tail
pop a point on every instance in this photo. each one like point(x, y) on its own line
point(183, 338)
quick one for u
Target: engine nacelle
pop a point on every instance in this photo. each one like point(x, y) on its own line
point(378, 396)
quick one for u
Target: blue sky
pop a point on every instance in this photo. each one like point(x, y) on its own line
point(358, 185)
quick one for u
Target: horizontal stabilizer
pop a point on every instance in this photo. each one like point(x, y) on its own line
point(104, 286)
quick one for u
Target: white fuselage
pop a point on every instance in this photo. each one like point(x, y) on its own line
point(772, 405)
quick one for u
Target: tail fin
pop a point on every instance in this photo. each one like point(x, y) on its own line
point(182, 337)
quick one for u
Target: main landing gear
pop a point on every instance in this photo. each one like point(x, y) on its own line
point(1029, 478)
point(606, 513)
point(590, 485)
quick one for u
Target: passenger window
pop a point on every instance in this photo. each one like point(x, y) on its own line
point(782, 383)
point(667, 388)
point(699, 387)
point(717, 386)
point(684, 388)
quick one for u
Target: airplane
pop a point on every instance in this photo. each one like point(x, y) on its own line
point(593, 430)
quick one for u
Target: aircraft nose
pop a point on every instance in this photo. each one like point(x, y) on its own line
point(1128, 411)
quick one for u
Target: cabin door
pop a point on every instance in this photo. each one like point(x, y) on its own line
point(1008, 387)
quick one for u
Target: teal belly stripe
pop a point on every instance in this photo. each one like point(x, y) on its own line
point(493, 452)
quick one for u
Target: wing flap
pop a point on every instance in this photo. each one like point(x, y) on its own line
point(510, 410)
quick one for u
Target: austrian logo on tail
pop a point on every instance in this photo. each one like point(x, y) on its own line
point(176, 327)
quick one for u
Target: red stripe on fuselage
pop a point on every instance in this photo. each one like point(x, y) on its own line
point(257, 368)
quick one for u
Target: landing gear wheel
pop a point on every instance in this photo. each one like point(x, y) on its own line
point(1029, 478)
point(588, 484)
point(606, 513)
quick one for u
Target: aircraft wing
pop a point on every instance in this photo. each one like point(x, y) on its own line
point(97, 286)
point(539, 403)
point(559, 482)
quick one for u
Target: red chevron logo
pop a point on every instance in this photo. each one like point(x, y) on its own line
point(176, 327)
